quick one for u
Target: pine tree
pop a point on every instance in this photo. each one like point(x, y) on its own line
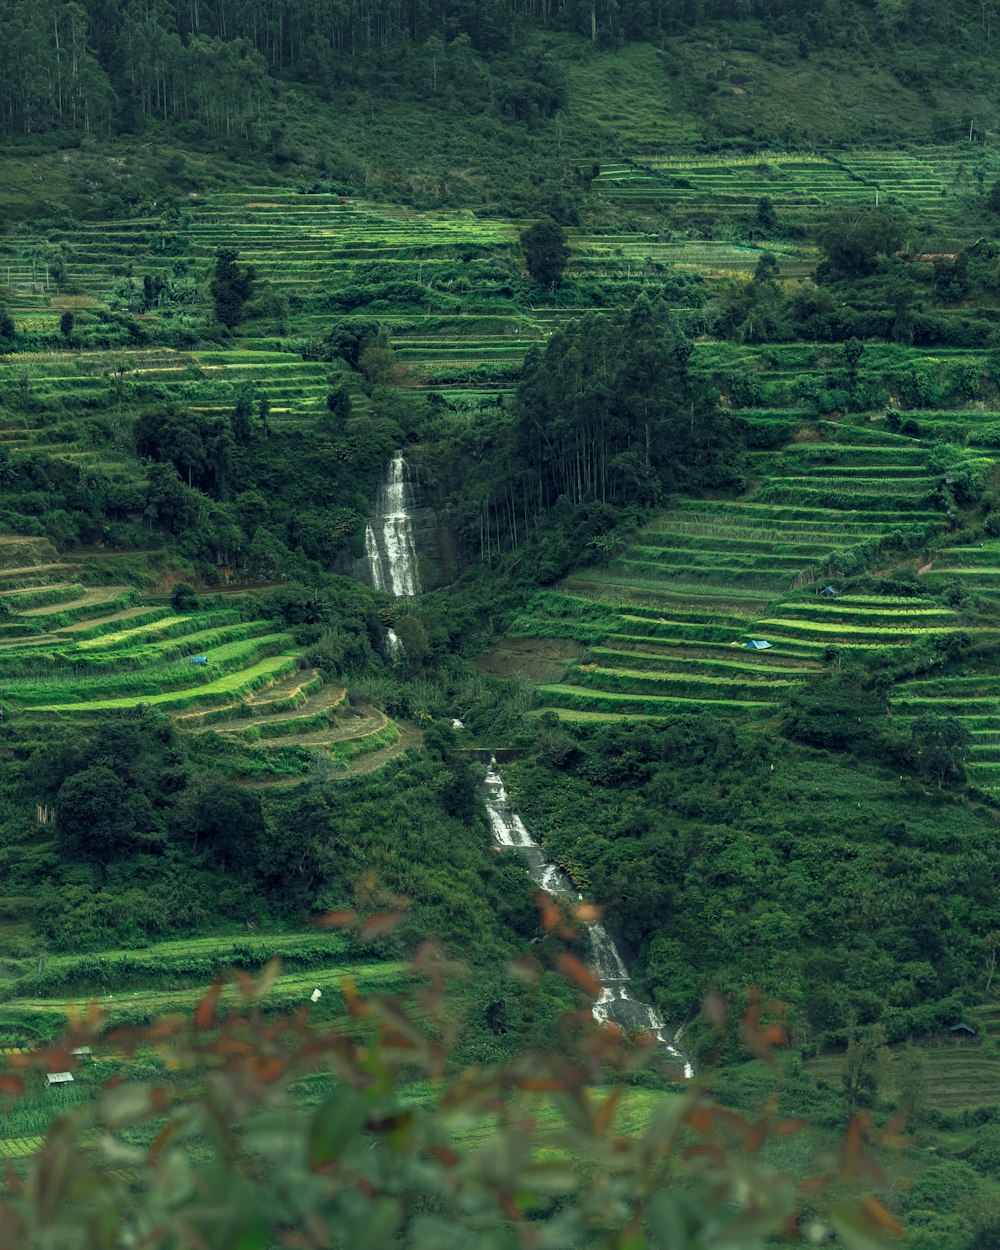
point(230, 288)
point(545, 252)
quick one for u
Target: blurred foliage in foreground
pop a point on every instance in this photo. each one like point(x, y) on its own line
point(227, 1154)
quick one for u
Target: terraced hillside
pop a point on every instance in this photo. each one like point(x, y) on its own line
point(970, 575)
point(668, 619)
point(204, 380)
point(137, 986)
point(960, 1074)
point(730, 187)
point(68, 652)
point(445, 276)
point(304, 245)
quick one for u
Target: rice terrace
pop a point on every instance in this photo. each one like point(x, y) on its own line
point(499, 625)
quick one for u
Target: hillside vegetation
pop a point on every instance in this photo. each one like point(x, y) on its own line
point(687, 319)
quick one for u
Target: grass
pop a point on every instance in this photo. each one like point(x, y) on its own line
point(665, 615)
point(243, 681)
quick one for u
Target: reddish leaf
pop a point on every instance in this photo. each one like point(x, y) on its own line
point(356, 1005)
point(343, 918)
point(204, 1013)
point(11, 1084)
point(573, 970)
point(785, 1128)
point(551, 915)
point(245, 981)
point(716, 1153)
point(714, 1009)
point(606, 1111)
point(814, 1184)
point(853, 1145)
point(397, 1039)
point(160, 1141)
point(877, 1213)
point(701, 1118)
point(755, 1138)
point(375, 926)
point(165, 1026)
point(268, 1068)
point(525, 968)
point(510, 1208)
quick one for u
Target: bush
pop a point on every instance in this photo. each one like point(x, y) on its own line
point(183, 598)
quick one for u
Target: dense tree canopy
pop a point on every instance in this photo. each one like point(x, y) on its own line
point(545, 252)
point(608, 412)
point(86, 65)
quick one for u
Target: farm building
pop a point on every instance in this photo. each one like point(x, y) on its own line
point(58, 1078)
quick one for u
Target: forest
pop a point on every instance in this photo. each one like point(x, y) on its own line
point(612, 386)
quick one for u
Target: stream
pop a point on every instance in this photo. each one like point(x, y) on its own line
point(616, 1001)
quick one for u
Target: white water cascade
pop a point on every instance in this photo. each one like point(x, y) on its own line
point(616, 1001)
point(389, 545)
point(374, 558)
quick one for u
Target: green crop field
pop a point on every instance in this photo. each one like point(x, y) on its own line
point(275, 719)
point(851, 529)
point(696, 584)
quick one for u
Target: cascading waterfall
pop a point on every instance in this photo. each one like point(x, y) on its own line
point(393, 644)
point(389, 544)
point(616, 1001)
point(374, 558)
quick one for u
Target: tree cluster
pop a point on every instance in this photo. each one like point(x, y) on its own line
point(605, 418)
point(86, 65)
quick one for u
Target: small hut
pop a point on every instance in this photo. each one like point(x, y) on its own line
point(198, 659)
point(756, 644)
point(53, 1079)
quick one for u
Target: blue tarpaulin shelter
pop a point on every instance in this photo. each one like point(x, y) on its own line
point(198, 659)
point(829, 592)
point(756, 644)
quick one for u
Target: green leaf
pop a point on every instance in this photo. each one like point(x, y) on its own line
point(333, 1126)
point(126, 1104)
point(858, 1233)
point(380, 1226)
point(256, 1236)
point(667, 1216)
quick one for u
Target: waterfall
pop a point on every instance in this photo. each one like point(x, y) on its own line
point(389, 544)
point(616, 1001)
point(393, 643)
point(374, 558)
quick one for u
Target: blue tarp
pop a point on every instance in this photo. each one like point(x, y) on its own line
point(198, 659)
point(756, 644)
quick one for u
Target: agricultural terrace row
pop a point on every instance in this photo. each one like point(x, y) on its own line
point(242, 686)
point(925, 180)
point(667, 622)
point(442, 280)
point(971, 573)
point(942, 395)
point(138, 985)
